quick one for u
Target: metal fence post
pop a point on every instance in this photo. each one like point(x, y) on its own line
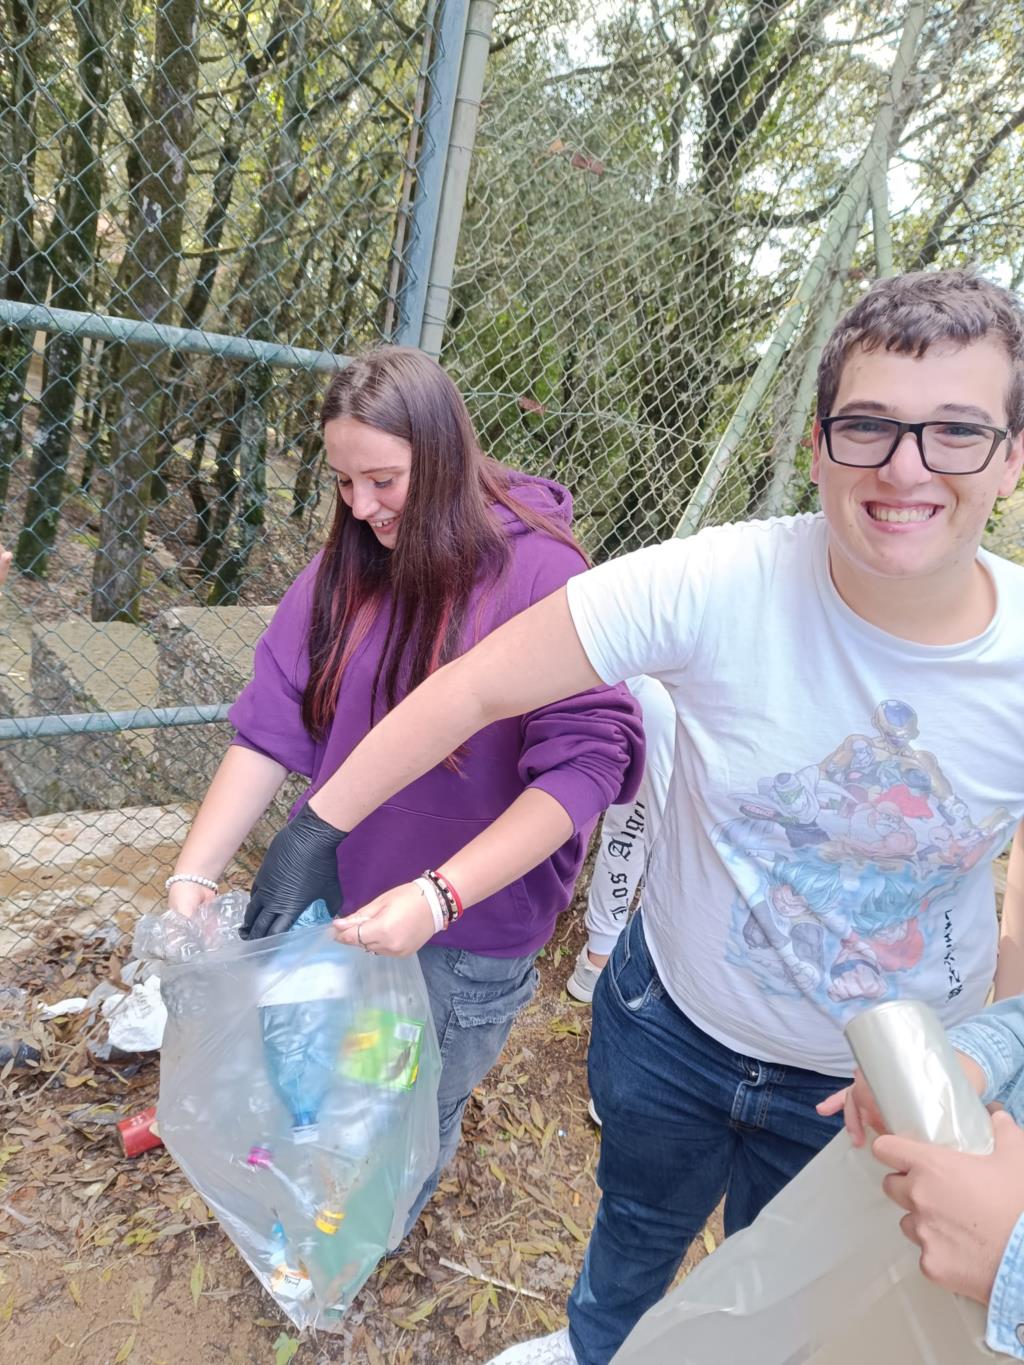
point(456, 177)
point(443, 86)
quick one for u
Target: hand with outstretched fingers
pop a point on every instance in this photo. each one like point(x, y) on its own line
point(960, 1208)
point(299, 867)
point(396, 924)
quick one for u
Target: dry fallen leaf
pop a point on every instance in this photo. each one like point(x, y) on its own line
point(421, 1311)
point(195, 1282)
point(285, 1348)
point(573, 1229)
point(126, 1349)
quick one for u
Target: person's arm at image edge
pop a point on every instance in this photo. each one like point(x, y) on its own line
point(487, 684)
point(1010, 967)
point(966, 1213)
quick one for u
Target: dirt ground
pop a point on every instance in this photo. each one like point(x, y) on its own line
point(109, 1260)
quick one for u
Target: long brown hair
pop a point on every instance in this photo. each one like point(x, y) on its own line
point(448, 537)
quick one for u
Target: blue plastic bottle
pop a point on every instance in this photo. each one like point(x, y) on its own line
point(303, 1017)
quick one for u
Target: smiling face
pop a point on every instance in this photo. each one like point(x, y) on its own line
point(900, 522)
point(372, 469)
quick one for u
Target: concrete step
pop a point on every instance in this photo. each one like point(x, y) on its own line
point(83, 867)
point(56, 667)
point(190, 656)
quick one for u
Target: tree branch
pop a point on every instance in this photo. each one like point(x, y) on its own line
point(800, 218)
point(933, 237)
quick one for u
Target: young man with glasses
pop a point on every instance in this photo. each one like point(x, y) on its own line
point(849, 691)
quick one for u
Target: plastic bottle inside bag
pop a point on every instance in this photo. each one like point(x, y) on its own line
point(290, 1094)
point(289, 1278)
point(362, 1116)
point(304, 1016)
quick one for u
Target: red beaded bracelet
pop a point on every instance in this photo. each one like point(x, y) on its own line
point(448, 892)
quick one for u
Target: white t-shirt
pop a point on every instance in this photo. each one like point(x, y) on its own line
point(837, 795)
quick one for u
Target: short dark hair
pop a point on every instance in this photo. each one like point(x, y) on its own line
point(909, 313)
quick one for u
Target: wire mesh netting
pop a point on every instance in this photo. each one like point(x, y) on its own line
point(668, 206)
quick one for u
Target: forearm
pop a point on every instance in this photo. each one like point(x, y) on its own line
point(530, 830)
point(1010, 967)
point(994, 1040)
point(617, 870)
point(531, 661)
point(242, 789)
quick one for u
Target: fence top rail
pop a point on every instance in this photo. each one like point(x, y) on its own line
point(160, 336)
point(111, 722)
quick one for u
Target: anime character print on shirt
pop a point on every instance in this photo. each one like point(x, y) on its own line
point(848, 869)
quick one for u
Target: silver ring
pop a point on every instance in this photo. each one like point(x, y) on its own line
point(359, 935)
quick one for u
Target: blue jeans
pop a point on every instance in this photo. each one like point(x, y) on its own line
point(473, 1000)
point(685, 1120)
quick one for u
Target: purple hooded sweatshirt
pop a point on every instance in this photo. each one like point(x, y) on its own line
point(587, 751)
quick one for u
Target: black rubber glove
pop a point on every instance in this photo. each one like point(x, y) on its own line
point(299, 867)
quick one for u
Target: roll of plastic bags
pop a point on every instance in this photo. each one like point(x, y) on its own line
point(824, 1275)
point(298, 1093)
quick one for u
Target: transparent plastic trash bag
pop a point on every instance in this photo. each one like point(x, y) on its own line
point(824, 1276)
point(298, 1093)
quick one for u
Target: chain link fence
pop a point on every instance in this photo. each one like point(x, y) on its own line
point(206, 208)
point(667, 207)
point(671, 204)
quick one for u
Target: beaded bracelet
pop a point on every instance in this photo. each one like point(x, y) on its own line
point(447, 904)
point(440, 879)
point(451, 898)
point(432, 896)
point(190, 877)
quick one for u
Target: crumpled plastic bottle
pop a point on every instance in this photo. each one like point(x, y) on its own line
point(172, 937)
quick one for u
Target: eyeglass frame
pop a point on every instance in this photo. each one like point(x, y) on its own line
point(999, 435)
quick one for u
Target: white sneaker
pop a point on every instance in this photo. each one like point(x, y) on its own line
point(554, 1349)
point(592, 1111)
point(583, 979)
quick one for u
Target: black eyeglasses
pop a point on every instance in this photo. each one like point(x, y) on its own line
point(946, 447)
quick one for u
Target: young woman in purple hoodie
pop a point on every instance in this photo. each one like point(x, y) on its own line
point(433, 545)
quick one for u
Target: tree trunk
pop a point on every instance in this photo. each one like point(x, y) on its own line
point(71, 260)
point(147, 281)
point(262, 289)
point(21, 264)
point(254, 66)
point(304, 490)
point(227, 490)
